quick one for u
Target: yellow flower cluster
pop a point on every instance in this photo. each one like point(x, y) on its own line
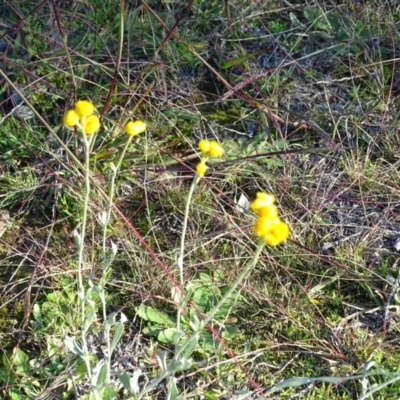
point(82, 115)
point(134, 128)
point(268, 226)
point(209, 148)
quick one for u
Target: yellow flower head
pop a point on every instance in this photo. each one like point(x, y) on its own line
point(268, 212)
point(71, 118)
point(91, 125)
point(204, 146)
point(210, 148)
point(262, 200)
point(84, 108)
point(278, 234)
point(201, 168)
point(216, 150)
point(281, 230)
point(272, 240)
point(134, 128)
point(268, 225)
point(262, 226)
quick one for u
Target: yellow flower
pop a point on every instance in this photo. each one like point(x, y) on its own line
point(71, 118)
point(281, 230)
point(262, 200)
point(268, 211)
point(84, 108)
point(279, 233)
point(204, 146)
point(271, 240)
point(92, 124)
point(210, 148)
point(262, 226)
point(134, 128)
point(215, 150)
point(201, 168)
point(268, 225)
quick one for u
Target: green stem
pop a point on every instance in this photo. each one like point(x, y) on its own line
point(112, 191)
point(182, 248)
point(115, 170)
point(81, 289)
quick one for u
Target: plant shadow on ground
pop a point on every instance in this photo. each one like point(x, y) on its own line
point(304, 99)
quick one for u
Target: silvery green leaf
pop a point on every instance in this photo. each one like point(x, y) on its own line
point(245, 395)
point(390, 278)
point(77, 239)
point(162, 359)
point(176, 337)
point(191, 346)
point(195, 323)
point(167, 335)
point(114, 248)
point(23, 112)
point(73, 346)
point(102, 218)
point(100, 376)
point(172, 390)
point(90, 316)
point(130, 384)
point(295, 21)
point(180, 365)
point(111, 319)
point(365, 382)
point(117, 336)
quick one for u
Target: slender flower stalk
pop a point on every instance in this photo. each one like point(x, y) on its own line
point(82, 116)
point(132, 128)
point(208, 149)
point(268, 228)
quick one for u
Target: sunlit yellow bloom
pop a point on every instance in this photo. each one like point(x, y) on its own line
point(278, 233)
point(262, 200)
point(91, 125)
point(280, 230)
point(215, 150)
point(204, 146)
point(268, 211)
point(134, 128)
point(84, 108)
point(262, 226)
point(271, 240)
point(201, 168)
point(268, 226)
point(71, 118)
point(210, 148)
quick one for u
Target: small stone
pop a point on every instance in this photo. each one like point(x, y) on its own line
point(396, 244)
